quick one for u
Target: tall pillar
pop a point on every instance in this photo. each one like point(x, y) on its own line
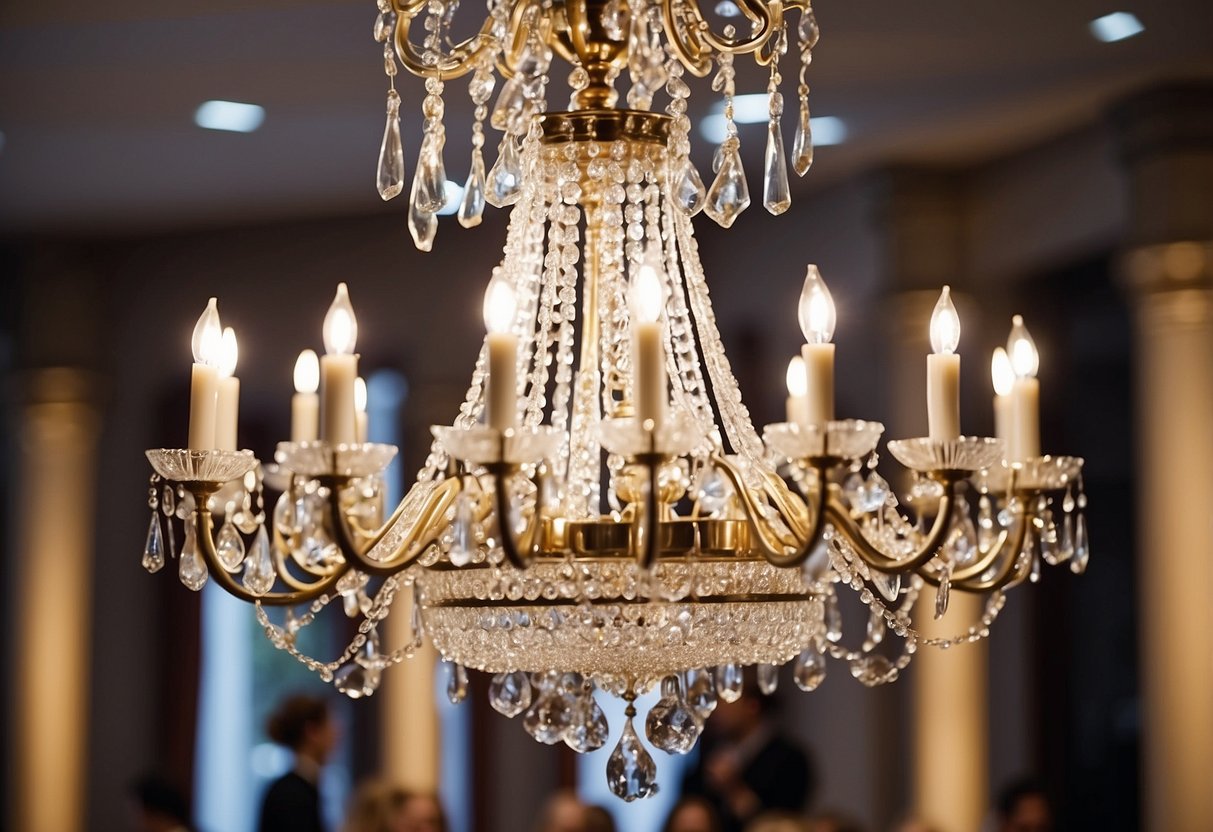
point(922, 212)
point(57, 428)
point(1167, 143)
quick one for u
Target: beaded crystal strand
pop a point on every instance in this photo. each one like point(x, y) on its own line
point(428, 194)
point(776, 195)
point(729, 194)
point(480, 88)
point(389, 174)
point(802, 146)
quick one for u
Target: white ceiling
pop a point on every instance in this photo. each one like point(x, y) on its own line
point(96, 104)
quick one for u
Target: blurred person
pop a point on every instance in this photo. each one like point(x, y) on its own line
point(379, 806)
point(746, 767)
point(1023, 806)
point(158, 806)
point(692, 814)
point(779, 822)
point(598, 819)
point(562, 812)
point(832, 822)
point(913, 824)
point(292, 803)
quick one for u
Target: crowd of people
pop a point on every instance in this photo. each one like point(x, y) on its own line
point(747, 778)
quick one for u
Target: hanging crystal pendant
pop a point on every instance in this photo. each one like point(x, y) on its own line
point(729, 682)
point(423, 225)
point(874, 670)
point(876, 630)
point(700, 692)
point(887, 584)
point(192, 569)
point(549, 716)
point(809, 670)
point(944, 592)
point(672, 725)
point(509, 114)
point(768, 678)
point(457, 684)
point(510, 693)
point(258, 567)
point(776, 194)
point(808, 31)
point(1082, 547)
point(505, 178)
point(153, 549)
point(471, 209)
point(689, 192)
point(631, 772)
point(390, 174)
point(588, 730)
point(429, 182)
point(463, 542)
point(833, 618)
point(356, 681)
point(729, 194)
point(229, 546)
point(802, 144)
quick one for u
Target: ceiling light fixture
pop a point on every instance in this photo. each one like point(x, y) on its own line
point(603, 516)
point(231, 116)
point(1116, 26)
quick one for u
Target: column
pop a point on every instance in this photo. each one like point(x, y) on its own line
point(922, 216)
point(1167, 147)
point(57, 429)
point(411, 744)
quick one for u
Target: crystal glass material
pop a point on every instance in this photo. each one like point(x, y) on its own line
point(481, 445)
point(184, 465)
point(1043, 473)
point(968, 453)
point(677, 435)
point(316, 459)
point(847, 439)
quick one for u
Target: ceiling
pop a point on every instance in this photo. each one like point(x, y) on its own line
point(96, 106)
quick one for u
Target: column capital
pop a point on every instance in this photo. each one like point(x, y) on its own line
point(1176, 279)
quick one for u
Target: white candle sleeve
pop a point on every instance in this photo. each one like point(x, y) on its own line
point(1025, 409)
point(204, 392)
point(502, 395)
point(305, 417)
point(648, 357)
point(819, 383)
point(943, 396)
point(337, 422)
point(227, 414)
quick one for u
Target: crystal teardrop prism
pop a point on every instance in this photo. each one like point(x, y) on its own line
point(672, 726)
point(943, 592)
point(833, 619)
point(888, 585)
point(776, 194)
point(457, 684)
point(153, 548)
point(588, 730)
point(423, 225)
point(1082, 547)
point(631, 772)
point(874, 670)
point(510, 693)
point(768, 678)
point(509, 114)
point(462, 537)
point(258, 567)
point(809, 670)
point(729, 682)
point(689, 192)
point(390, 173)
point(700, 692)
point(429, 182)
point(356, 681)
point(505, 177)
point(729, 194)
point(808, 30)
point(471, 209)
point(229, 546)
point(802, 143)
point(549, 717)
point(192, 569)
point(876, 629)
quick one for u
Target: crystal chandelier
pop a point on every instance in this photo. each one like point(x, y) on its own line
point(602, 515)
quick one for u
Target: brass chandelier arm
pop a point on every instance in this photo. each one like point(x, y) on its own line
point(845, 525)
point(204, 529)
point(462, 58)
point(648, 527)
point(518, 551)
point(1011, 571)
point(773, 546)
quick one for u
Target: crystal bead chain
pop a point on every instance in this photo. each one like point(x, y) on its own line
point(802, 147)
point(729, 195)
point(480, 88)
point(390, 170)
point(776, 194)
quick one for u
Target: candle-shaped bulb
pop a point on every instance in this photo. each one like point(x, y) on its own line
point(816, 311)
point(360, 394)
point(307, 372)
point(797, 381)
point(1001, 372)
point(646, 295)
point(1021, 350)
point(340, 325)
point(945, 325)
point(207, 341)
point(500, 304)
point(228, 353)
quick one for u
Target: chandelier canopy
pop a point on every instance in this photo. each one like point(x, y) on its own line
point(602, 515)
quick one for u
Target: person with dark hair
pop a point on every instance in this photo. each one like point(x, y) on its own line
point(292, 802)
point(1023, 806)
point(379, 806)
point(598, 819)
point(692, 814)
point(159, 806)
point(746, 767)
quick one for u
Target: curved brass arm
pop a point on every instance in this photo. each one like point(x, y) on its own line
point(877, 559)
point(204, 532)
point(774, 549)
point(1011, 569)
point(518, 551)
point(648, 527)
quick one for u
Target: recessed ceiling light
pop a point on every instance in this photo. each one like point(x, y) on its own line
point(755, 108)
point(229, 115)
point(727, 8)
point(1116, 26)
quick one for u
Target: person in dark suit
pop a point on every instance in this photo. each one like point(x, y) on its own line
point(746, 767)
point(292, 803)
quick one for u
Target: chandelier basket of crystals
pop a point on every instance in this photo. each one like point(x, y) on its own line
point(602, 515)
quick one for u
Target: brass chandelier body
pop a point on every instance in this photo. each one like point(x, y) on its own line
point(584, 548)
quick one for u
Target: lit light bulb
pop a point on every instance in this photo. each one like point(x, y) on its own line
point(646, 295)
point(945, 325)
point(207, 341)
point(340, 325)
point(360, 394)
point(816, 311)
point(1021, 350)
point(798, 383)
point(229, 353)
point(500, 304)
point(1001, 372)
point(307, 372)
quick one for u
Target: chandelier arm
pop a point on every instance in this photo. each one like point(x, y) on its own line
point(1014, 570)
point(204, 528)
point(990, 555)
point(512, 547)
point(424, 531)
point(648, 526)
point(845, 524)
point(460, 60)
point(776, 552)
